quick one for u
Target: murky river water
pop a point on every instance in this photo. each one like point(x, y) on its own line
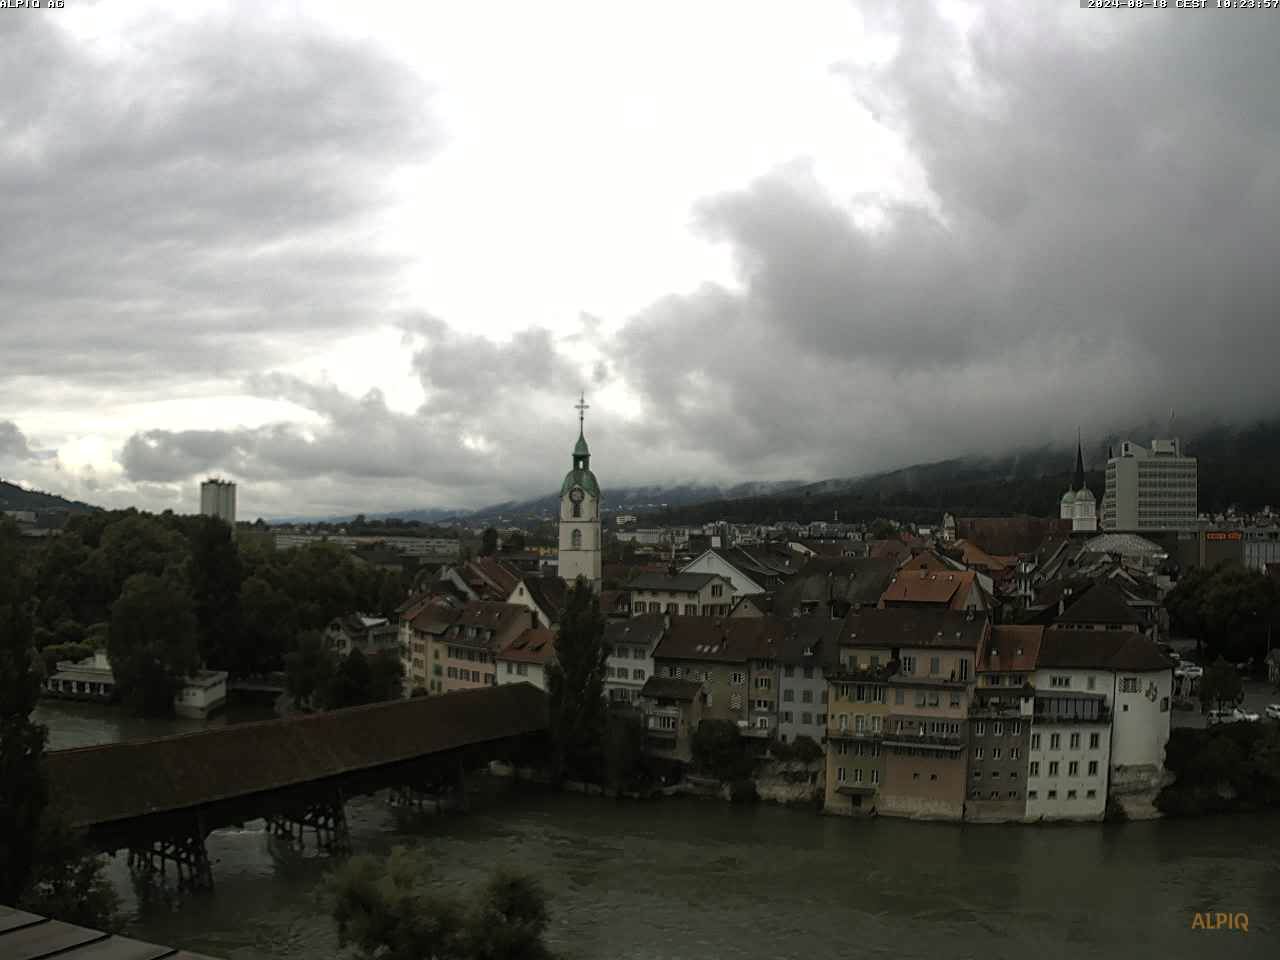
point(695, 879)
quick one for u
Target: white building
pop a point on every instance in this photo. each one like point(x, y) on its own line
point(690, 594)
point(580, 552)
point(1102, 719)
point(525, 658)
point(92, 678)
point(631, 645)
point(203, 693)
point(218, 499)
point(1150, 489)
point(1079, 504)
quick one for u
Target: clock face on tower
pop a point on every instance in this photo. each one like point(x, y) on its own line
point(576, 494)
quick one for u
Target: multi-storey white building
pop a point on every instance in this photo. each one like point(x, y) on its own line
point(1150, 488)
point(1101, 722)
point(218, 499)
point(631, 645)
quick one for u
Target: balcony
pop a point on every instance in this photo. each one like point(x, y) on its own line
point(1060, 706)
point(834, 733)
point(857, 789)
point(930, 741)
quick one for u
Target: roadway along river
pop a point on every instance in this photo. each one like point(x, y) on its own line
point(697, 879)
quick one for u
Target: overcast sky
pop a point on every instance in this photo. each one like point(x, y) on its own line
point(363, 256)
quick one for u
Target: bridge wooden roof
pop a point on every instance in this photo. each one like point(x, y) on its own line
point(121, 781)
point(26, 936)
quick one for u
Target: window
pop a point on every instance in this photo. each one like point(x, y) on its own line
point(788, 671)
point(1059, 681)
point(995, 753)
point(1015, 728)
point(955, 699)
point(738, 679)
point(860, 693)
point(857, 774)
point(1164, 704)
point(637, 674)
point(1013, 774)
point(690, 609)
point(1053, 768)
point(1094, 739)
point(1091, 794)
point(786, 717)
point(995, 774)
point(840, 775)
point(1128, 684)
point(789, 696)
point(1033, 794)
point(806, 696)
point(915, 776)
point(808, 673)
point(875, 776)
point(577, 509)
point(899, 697)
point(1013, 753)
point(575, 540)
point(717, 589)
point(843, 721)
point(935, 664)
point(1093, 768)
point(1053, 794)
point(762, 723)
point(806, 718)
point(907, 665)
point(763, 683)
point(920, 698)
point(1055, 741)
point(1073, 768)
point(1091, 683)
point(997, 728)
point(1071, 794)
point(762, 704)
point(977, 753)
point(860, 724)
point(980, 729)
point(453, 673)
point(1035, 741)
point(875, 660)
point(1075, 741)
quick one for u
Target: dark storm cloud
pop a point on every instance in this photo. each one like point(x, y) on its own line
point(13, 442)
point(164, 210)
point(1100, 246)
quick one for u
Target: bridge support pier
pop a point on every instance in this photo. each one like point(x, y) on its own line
point(184, 854)
point(325, 820)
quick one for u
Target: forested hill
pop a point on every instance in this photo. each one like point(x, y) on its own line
point(14, 497)
point(1238, 466)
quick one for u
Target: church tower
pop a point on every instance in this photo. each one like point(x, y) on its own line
point(1078, 504)
point(580, 544)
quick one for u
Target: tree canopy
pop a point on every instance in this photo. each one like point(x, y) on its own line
point(153, 642)
point(1228, 607)
point(389, 910)
point(575, 684)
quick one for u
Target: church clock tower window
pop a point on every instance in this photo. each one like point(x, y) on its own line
point(580, 554)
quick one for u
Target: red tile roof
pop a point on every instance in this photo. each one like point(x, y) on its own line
point(1011, 649)
point(726, 640)
point(535, 645)
point(950, 589)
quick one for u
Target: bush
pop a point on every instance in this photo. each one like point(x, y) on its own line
point(719, 750)
point(743, 791)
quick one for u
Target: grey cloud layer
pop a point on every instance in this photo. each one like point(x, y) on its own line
point(1100, 245)
point(161, 212)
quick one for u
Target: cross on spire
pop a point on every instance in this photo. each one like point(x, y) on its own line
point(582, 407)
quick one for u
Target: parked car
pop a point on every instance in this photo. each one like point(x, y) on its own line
point(1234, 715)
point(1273, 711)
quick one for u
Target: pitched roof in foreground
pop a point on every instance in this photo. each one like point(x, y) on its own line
point(919, 626)
point(1101, 603)
point(931, 588)
point(1011, 648)
point(535, 645)
point(672, 582)
point(1119, 650)
point(32, 937)
point(731, 640)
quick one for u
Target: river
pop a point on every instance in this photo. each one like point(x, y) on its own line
point(700, 879)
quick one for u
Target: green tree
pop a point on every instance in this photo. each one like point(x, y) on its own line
point(386, 677)
point(215, 588)
point(350, 684)
point(268, 629)
point(1227, 607)
point(308, 669)
point(1220, 686)
point(624, 764)
point(387, 909)
point(515, 543)
point(23, 791)
point(68, 881)
point(489, 543)
point(53, 654)
point(575, 683)
point(719, 750)
point(152, 642)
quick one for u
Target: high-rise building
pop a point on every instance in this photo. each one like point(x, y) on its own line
point(580, 546)
point(1151, 488)
point(218, 499)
